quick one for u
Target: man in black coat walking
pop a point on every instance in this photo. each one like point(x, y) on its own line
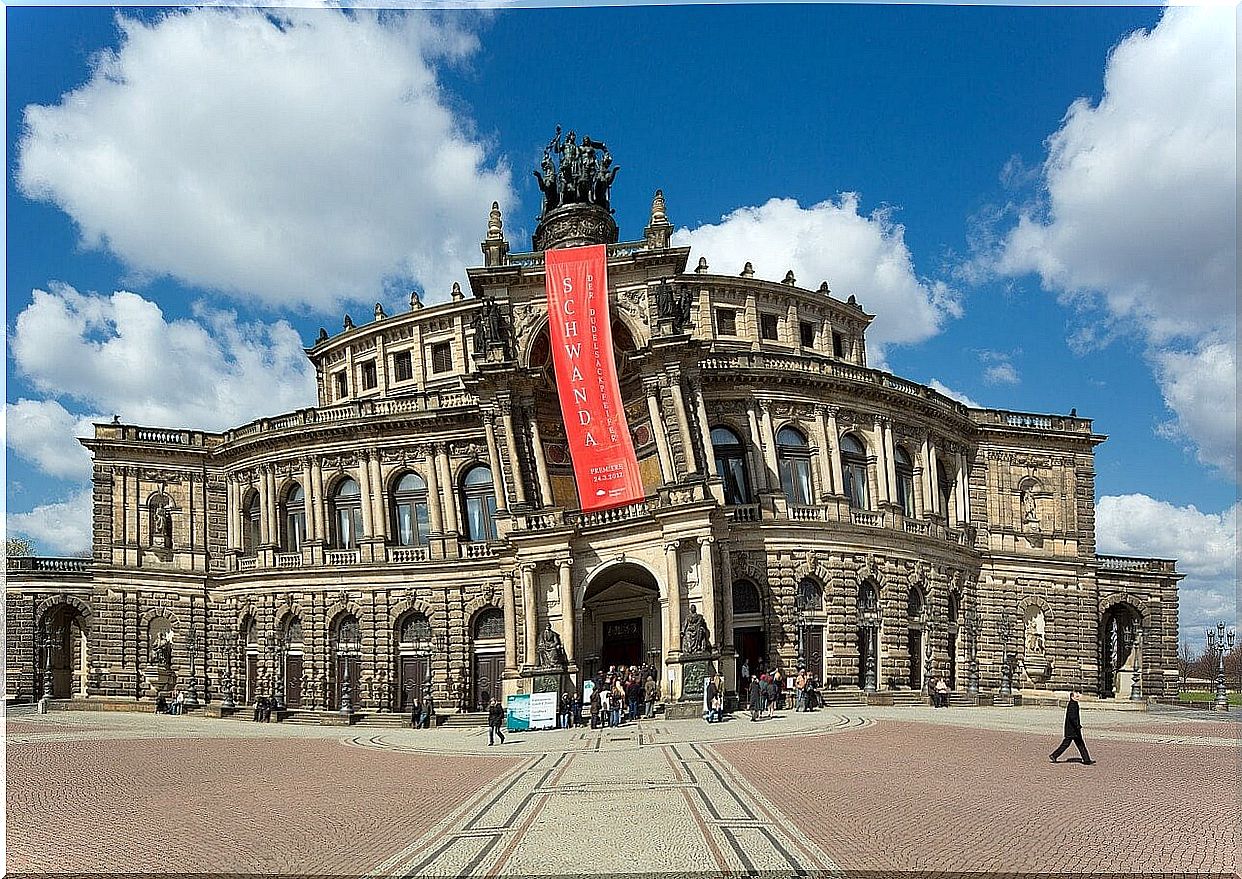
point(495, 722)
point(1073, 733)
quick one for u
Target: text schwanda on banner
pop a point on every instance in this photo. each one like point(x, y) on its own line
point(605, 466)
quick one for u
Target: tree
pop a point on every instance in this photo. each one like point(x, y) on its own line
point(18, 546)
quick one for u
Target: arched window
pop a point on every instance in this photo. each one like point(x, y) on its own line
point(854, 472)
point(914, 604)
point(416, 629)
point(730, 458)
point(745, 598)
point(793, 457)
point(348, 633)
point(945, 486)
point(810, 596)
point(293, 631)
point(905, 481)
point(294, 519)
point(346, 515)
point(479, 502)
point(867, 598)
point(251, 532)
point(489, 625)
point(409, 510)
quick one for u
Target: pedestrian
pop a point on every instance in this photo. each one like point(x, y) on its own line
point(709, 701)
point(495, 722)
point(566, 712)
point(650, 691)
point(778, 686)
point(616, 702)
point(605, 709)
point(416, 713)
point(429, 712)
point(800, 691)
point(756, 698)
point(1073, 732)
point(595, 703)
point(942, 694)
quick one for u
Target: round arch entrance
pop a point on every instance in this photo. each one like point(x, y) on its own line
point(64, 649)
point(621, 619)
point(1120, 648)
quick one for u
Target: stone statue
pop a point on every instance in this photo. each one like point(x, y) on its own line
point(490, 328)
point(161, 525)
point(666, 308)
point(1030, 516)
point(694, 635)
point(161, 653)
point(550, 652)
point(1034, 639)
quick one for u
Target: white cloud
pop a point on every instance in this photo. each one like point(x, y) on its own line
point(60, 528)
point(1138, 210)
point(300, 156)
point(1204, 544)
point(937, 385)
point(865, 256)
point(45, 433)
point(119, 354)
point(1201, 386)
point(998, 368)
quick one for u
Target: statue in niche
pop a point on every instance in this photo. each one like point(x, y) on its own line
point(161, 653)
point(1030, 515)
point(490, 328)
point(695, 638)
point(161, 525)
point(1034, 637)
point(550, 652)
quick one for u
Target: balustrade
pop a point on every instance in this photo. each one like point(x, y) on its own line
point(342, 557)
point(479, 550)
point(868, 518)
point(289, 560)
point(744, 513)
point(407, 554)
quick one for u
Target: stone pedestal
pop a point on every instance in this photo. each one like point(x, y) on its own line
point(695, 669)
point(159, 679)
point(550, 680)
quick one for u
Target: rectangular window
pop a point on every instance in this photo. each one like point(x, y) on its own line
point(342, 385)
point(838, 345)
point(807, 330)
point(442, 357)
point(768, 327)
point(369, 377)
point(726, 322)
point(402, 366)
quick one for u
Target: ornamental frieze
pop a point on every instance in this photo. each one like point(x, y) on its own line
point(525, 317)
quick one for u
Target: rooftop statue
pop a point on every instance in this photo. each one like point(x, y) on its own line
point(581, 178)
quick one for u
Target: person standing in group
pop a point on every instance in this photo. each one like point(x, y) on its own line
point(778, 688)
point(756, 698)
point(495, 722)
point(1073, 733)
point(605, 709)
point(800, 691)
point(709, 701)
point(650, 692)
point(596, 700)
point(616, 702)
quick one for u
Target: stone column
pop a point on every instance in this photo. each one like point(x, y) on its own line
point(707, 586)
point(234, 502)
point(568, 627)
point(963, 472)
point(890, 460)
point(705, 430)
point(510, 625)
point(530, 610)
point(652, 389)
point(757, 460)
point(683, 424)
point(726, 602)
point(435, 510)
point(672, 629)
point(541, 462)
point(769, 448)
point(493, 459)
point(448, 493)
point(309, 493)
point(933, 476)
point(519, 483)
point(317, 508)
point(834, 451)
point(266, 511)
point(364, 488)
point(881, 462)
point(378, 520)
point(823, 458)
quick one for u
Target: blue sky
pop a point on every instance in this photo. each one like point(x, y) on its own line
point(1045, 207)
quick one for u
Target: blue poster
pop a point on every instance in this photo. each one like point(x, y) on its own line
point(517, 712)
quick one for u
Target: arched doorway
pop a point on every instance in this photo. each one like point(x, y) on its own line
point(250, 658)
point(413, 660)
point(749, 636)
point(621, 619)
point(1120, 648)
point(488, 641)
point(914, 636)
point(811, 620)
point(293, 651)
point(65, 652)
point(346, 657)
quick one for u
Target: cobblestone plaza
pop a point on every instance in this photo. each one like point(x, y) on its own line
point(844, 791)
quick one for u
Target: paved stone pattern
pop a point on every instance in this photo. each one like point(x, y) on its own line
point(216, 805)
point(923, 797)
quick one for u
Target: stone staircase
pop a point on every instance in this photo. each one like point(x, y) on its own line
point(908, 697)
point(466, 719)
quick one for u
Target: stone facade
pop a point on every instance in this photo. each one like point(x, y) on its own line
point(420, 526)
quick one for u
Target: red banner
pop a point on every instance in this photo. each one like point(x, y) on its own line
point(605, 466)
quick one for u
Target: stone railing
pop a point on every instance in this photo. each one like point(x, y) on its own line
point(355, 410)
point(868, 518)
point(914, 526)
point(479, 549)
point(630, 513)
point(1129, 563)
point(248, 563)
point(289, 560)
point(1031, 420)
point(133, 433)
point(342, 557)
point(544, 520)
point(47, 564)
point(744, 513)
point(808, 514)
point(534, 259)
point(406, 554)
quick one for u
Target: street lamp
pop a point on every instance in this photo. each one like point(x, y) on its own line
point(1216, 643)
point(282, 653)
point(1006, 659)
point(231, 647)
point(342, 658)
point(971, 619)
point(1136, 637)
point(929, 650)
point(191, 697)
point(869, 619)
point(51, 643)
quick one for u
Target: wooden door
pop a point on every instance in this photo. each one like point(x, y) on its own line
point(916, 659)
point(252, 677)
point(293, 680)
point(813, 647)
point(344, 664)
point(412, 676)
point(488, 668)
